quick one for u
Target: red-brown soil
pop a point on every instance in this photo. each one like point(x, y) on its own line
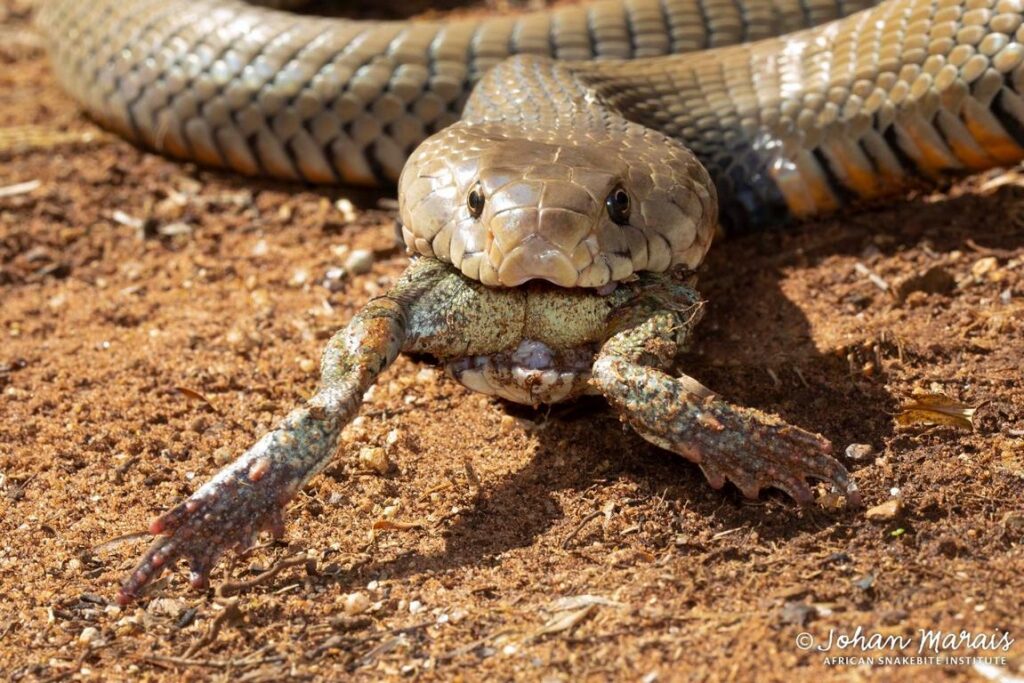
point(221, 293)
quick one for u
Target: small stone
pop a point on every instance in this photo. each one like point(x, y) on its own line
point(374, 459)
point(347, 209)
point(334, 279)
point(508, 423)
point(307, 365)
point(359, 261)
point(885, 512)
point(797, 613)
point(223, 455)
point(260, 248)
point(859, 451)
point(299, 277)
point(89, 635)
point(984, 266)
point(356, 603)
point(166, 607)
point(237, 340)
point(916, 300)
point(415, 607)
point(457, 615)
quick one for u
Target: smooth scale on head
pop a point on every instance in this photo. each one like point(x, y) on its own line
point(506, 203)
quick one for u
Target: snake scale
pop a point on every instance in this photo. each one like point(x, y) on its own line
point(791, 125)
point(560, 177)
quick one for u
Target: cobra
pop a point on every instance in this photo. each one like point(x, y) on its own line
point(565, 170)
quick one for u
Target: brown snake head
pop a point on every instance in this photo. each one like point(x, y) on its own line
point(579, 208)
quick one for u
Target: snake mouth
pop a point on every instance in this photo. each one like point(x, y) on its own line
point(536, 259)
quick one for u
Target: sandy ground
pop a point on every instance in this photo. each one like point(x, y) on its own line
point(156, 318)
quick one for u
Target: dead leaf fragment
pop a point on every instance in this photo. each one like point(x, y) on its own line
point(578, 601)
point(564, 621)
point(196, 396)
point(935, 409)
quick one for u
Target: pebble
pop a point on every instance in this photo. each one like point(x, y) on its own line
point(223, 455)
point(885, 512)
point(859, 451)
point(307, 365)
point(359, 261)
point(356, 603)
point(508, 423)
point(334, 279)
point(89, 635)
point(984, 266)
point(415, 607)
point(374, 459)
point(347, 209)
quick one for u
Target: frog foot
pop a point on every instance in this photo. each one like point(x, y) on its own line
point(227, 513)
point(752, 449)
point(755, 450)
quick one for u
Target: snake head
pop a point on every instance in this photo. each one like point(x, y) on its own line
point(577, 208)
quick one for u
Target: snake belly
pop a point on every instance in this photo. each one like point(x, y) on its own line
point(791, 126)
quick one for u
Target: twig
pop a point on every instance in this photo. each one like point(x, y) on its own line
point(990, 251)
point(211, 663)
point(231, 587)
point(876, 279)
point(231, 611)
point(575, 532)
point(469, 647)
point(19, 188)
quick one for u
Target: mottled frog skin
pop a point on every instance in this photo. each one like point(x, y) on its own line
point(532, 344)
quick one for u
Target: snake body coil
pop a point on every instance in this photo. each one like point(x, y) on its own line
point(789, 126)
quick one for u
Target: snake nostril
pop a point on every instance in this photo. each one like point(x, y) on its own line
point(618, 205)
point(475, 201)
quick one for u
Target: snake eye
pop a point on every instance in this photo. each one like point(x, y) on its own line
point(618, 205)
point(475, 202)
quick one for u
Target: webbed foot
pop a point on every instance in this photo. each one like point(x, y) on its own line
point(752, 449)
point(230, 511)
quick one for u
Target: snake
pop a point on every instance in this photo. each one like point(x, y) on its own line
point(560, 176)
point(579, 145)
